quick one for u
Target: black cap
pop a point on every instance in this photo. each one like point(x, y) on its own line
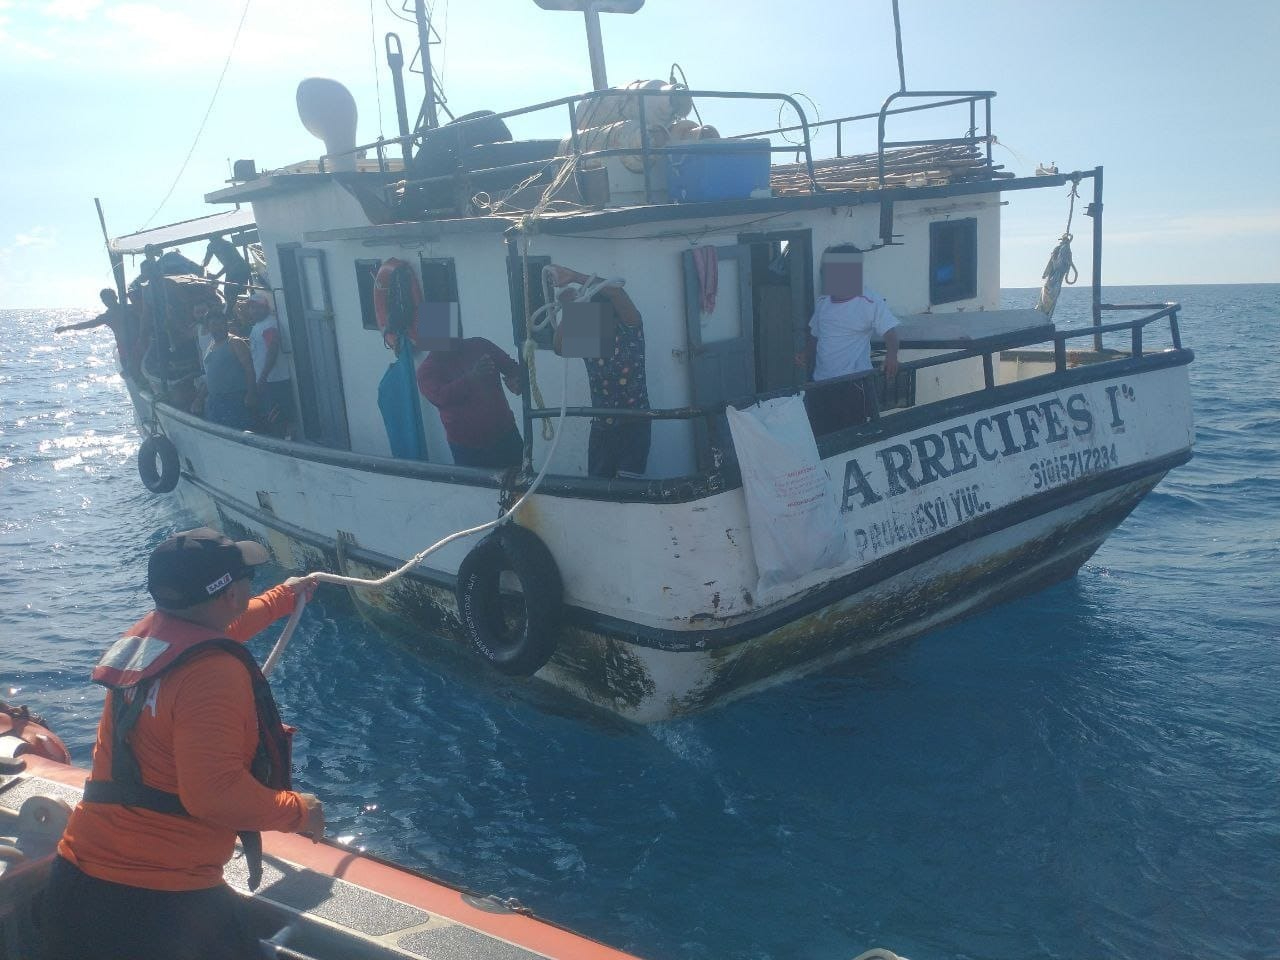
point(196, 565)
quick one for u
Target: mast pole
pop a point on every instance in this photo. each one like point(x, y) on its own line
point(424, 45)
point(117, 261)
point(595, 48)
point(897, 36)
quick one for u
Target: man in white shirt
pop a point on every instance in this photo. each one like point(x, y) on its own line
point(844, 321)
point(274, 389)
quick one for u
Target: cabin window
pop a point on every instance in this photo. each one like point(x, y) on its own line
point(953, 260)
point(366, 274)
point(440, 286)
point(544, 338)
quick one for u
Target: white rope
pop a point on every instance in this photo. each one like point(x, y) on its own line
point(287, 634)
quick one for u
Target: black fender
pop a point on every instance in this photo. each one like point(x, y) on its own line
point(163, 478)
point(516, 634)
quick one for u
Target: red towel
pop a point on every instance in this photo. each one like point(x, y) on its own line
point(708, 263)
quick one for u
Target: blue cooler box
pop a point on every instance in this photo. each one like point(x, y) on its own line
point(718, 170)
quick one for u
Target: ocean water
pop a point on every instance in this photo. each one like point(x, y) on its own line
point(1090, 772)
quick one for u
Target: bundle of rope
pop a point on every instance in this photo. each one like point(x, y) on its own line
point(1060, 267)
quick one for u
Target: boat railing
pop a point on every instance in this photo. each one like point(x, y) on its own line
point(950, 98)
point(986, 348)
point(1134, 327)
point(647, 151)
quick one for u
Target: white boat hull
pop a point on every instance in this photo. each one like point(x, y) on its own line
point(663, 615)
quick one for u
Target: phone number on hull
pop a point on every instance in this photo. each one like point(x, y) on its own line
point(1052, 471)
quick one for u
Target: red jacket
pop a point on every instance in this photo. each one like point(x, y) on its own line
point(473, 409)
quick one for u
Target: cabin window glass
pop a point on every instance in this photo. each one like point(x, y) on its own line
point(440, 290)
point(313, 284)
point(953, 260)
point(544, 338)
point(725, 321)
point(366, 274)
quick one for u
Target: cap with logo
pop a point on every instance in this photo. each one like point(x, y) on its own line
point(197, 565)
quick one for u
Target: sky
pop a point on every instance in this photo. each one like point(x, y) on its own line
point(1176, 100)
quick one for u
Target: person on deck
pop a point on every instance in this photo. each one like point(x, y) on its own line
point(617, 446)
point(839, 344)
point(462, 382)
point(122, 319)
point(190, 750)
point(274, 387)
point(235, 269)
point(229, 377)
point(172, 263)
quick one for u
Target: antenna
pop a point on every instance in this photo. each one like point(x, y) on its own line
point(591, 10)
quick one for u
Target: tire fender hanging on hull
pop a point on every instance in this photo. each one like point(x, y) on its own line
point(162, 478)
point(520, 649)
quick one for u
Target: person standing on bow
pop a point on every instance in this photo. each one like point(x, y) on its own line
point(235, 270)
point(230, 381)
point(123, 321)
point(617, 446)
point(461, 379)
point(274, 386)
point(190, 751)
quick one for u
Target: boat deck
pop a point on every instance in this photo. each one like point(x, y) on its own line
point(336, 902)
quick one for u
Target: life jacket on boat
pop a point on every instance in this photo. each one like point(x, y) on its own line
point(31, 733)
point(397, 295)
point(150, 648)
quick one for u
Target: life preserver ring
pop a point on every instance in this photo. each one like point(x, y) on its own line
point(38, 739)
point(165, 477)
point(397, 294)
point(516, 645)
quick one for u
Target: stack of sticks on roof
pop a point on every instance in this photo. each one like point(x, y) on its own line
point(903, 167)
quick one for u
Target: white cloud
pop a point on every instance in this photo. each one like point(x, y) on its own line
point(36, 237)
point(76, 10)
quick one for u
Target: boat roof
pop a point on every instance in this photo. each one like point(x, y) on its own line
point(237, 224)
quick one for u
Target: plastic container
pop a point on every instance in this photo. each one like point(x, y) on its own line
point(718, 170)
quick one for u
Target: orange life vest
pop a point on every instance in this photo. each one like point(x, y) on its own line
point(155, 644)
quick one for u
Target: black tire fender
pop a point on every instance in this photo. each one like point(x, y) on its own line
point(164, 478)
point(522, 649)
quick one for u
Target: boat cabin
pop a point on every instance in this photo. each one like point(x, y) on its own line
point(479, 228)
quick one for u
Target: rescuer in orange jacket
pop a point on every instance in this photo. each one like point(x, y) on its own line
point(190, 751)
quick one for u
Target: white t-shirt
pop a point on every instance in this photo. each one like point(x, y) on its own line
point(844, 330)
point(261, 336)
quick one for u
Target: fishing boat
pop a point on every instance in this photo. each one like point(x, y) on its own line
point(994, 461)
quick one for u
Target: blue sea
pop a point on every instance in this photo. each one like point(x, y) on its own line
point(1089, 772)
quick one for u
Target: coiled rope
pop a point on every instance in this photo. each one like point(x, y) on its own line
point(1060, 264)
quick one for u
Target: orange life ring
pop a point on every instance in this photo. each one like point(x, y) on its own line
point(30, 729)
point(395, 284)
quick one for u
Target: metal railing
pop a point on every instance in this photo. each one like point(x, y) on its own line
point(987, 349)
point(647, 151)
point(1135, 328)
point(970, 97)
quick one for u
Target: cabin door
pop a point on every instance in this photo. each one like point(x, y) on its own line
point(306, 290)
point(782, 295)
point(718, 315)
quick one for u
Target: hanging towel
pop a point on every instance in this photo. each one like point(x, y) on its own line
point(398, 402)
point(708, 263)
